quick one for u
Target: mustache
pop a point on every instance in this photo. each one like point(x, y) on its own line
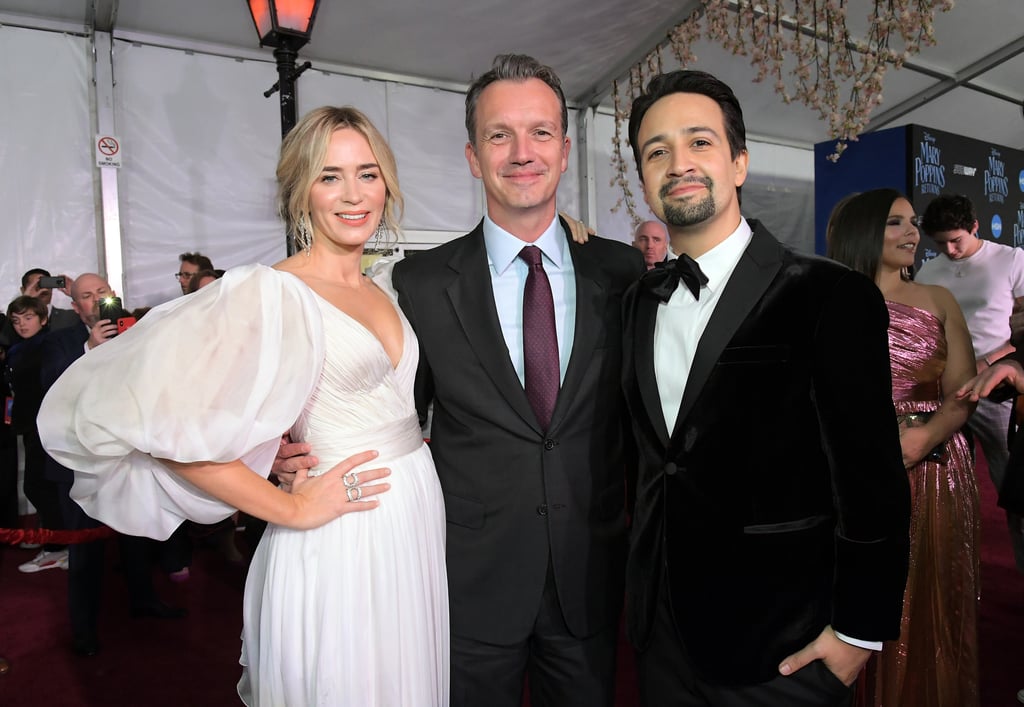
point(669, 186)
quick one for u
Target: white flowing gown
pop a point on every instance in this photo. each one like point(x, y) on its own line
point(352, 613)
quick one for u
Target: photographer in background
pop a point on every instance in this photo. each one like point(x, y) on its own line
point(40, 284)
point(190, 264)
point(86, 560)
point(203, 278)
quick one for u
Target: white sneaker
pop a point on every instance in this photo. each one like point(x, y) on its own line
point(46, 561)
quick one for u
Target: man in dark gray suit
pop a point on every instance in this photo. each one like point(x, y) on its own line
point(534, 498)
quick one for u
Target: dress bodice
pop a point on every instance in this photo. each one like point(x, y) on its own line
point(361, 401)
point(917, 352)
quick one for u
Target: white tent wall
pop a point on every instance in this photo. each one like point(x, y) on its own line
point(46, 175)
point(199, 147)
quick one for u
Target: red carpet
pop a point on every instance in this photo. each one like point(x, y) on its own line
point(195, 661)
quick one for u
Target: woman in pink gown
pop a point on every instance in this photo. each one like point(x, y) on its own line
point(934, 662)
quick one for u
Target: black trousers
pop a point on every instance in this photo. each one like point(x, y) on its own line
point(86, 566)
point(562, 670)
point(42, 492)
point(667, 678)
point(8, 478)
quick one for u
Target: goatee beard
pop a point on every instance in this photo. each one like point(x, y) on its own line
point(688, 213)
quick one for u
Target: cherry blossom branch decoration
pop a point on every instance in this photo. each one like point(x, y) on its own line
point(805, 48)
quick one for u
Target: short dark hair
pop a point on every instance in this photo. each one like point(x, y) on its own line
point(24, 303)
point(200, 275)
point(688, 81)
point(518, 68)
point(197, 259)
point(948, 212)
point(30, 273)
point(856, 229)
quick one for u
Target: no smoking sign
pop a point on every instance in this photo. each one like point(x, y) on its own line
point(108, 151)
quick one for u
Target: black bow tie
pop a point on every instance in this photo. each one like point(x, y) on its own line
point(662, 280)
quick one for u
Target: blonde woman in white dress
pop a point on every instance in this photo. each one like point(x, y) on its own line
point(346, 599)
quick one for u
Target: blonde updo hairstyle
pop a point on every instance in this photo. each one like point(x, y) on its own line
point(303, 153)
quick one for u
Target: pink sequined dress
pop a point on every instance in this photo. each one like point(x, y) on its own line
point(935, 661)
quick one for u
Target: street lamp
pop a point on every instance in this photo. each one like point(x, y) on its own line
point(285, 25)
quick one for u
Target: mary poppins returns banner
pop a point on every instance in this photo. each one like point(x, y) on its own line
point(991, 176)
point(923, 163)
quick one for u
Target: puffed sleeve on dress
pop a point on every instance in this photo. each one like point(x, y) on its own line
point(218, 375)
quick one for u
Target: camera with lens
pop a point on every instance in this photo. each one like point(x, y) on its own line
point(112, 309)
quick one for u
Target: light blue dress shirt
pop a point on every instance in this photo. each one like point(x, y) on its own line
point(508, 282)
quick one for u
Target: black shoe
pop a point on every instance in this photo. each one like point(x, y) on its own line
point(85, 646)
point(156, 609)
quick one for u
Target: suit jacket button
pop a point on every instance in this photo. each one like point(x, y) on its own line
point(549, 444)
point(671, 469)
point(542, 509)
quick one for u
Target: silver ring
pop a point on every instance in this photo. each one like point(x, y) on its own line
point(358, 494)
point(351, 480)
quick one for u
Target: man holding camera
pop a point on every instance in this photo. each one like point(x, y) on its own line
point(86, 560)
point(40, 284)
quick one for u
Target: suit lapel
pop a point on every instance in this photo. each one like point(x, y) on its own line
point(754, 272)
point(591, 296)
point(472, 299)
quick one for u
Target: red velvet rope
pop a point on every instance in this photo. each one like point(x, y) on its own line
point(41, 536)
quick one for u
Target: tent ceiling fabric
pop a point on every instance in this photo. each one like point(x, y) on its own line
point(971, 83)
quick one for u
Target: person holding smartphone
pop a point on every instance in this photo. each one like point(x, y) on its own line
point(86, 561)
point(38, 283)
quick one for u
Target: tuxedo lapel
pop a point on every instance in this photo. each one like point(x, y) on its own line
point(472, 298)
point(754, 273)
point(645, 318)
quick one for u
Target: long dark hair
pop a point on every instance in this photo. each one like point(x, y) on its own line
point(856, 229)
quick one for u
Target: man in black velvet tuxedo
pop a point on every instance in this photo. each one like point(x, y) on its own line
point(535, 497)
point(770, 535)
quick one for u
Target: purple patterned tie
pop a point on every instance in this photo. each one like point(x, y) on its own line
point(540, 343)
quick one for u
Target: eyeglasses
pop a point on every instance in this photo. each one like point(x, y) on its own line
point(184, 275)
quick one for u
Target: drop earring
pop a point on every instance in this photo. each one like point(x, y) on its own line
point(303, 236)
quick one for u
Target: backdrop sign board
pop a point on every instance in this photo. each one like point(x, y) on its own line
point(924, 163)
point(108, 151)
point(991, 176)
